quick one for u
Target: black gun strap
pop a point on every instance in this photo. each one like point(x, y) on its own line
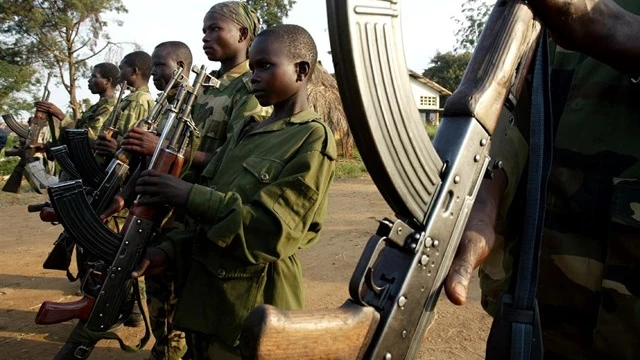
point(88, 338)
point(515, 332)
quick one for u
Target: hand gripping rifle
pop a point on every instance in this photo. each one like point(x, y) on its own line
point(29, 164)
point(431, 188)
point(107, 300)
point(103, 194)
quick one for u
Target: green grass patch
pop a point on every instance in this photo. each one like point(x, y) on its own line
point(431, 130)
point(7, 164)
point(348, 168)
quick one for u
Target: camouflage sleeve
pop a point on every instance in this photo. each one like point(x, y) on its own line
point(136, 109)
point(67, 123)
point(99, 117)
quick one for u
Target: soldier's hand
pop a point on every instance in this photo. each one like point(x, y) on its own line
point(116, 205)
point(49, 108)
point(140, 141)
point(475, 245)
point(154, 262)
point(106, 145)
point(573, 23)
point(478, 238)
point(157, 188)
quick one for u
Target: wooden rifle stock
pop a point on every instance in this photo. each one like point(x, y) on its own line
point(48, 214)
point(54, 312)
point(504, 47)
point(168, 162)
point(403, 266)
point(341, 333)
point(110, 129)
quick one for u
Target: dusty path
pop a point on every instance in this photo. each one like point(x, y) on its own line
point(355, 205)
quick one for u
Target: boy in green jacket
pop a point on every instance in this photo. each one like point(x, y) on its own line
point(262, 197)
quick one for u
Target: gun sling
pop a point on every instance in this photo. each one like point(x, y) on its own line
point(515, 332)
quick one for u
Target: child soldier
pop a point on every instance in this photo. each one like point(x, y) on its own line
point(135, 69)
point(103, 81)
point(161, 297)
point(229, 28)
point(262, 197)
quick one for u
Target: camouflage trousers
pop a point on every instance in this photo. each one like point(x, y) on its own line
point(589, 296)
point(161, 301)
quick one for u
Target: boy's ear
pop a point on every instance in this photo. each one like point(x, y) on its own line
point(304, 68)
point(244, 34)
point(181, 64)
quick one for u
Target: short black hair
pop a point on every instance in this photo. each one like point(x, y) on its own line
point(297, 41)
point(141, 61)
point(179, 51)
point(109, 71)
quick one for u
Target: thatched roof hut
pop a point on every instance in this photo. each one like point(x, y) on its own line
point(324, 99)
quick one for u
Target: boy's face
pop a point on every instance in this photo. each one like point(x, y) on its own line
point(126, 74)
point(97, 84)
point(221, 38)
point(275, 77)
point(163, 67)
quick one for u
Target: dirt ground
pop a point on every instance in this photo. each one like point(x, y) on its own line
point(355, 205)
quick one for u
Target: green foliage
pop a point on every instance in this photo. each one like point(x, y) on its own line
point(7, 164)
point(447, 69)
point(473, 16)
point(56, 35)
point(272, 12)
point(431, 130)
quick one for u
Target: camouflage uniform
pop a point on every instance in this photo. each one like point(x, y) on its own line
point(588, 293)
point(135, 106)
point(263, 197)
point(220, 111)
point(93, 118)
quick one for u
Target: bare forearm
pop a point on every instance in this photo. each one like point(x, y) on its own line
point(598, 28)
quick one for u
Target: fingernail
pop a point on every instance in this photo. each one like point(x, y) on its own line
point(460, 290)
point(134, 274)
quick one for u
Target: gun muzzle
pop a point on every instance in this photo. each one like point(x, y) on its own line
point(13, 152)
point(38, 207)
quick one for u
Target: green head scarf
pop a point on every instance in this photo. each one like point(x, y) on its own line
point(240, 13)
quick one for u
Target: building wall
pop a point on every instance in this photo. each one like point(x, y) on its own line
point(425, 97)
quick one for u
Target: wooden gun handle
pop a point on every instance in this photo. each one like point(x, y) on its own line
point(342, 333)
point(54, 312)
point(505, 42)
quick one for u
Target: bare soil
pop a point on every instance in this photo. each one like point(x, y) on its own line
point(355, 205)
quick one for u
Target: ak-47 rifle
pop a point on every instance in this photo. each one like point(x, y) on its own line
point(108, 298)
point(100, 196)
point(92, 167)
point(29, 164)
point(431, 188)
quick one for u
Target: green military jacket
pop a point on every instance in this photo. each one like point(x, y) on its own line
point(262, 197)
point(590, 249)
point(93, 118)
point(219, 111)
point(135, 106)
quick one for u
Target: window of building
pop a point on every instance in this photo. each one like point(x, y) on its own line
point(428, 101)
